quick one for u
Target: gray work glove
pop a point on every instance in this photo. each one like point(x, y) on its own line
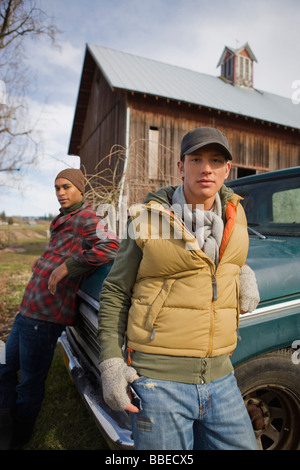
point(249, 294)
point(115, 377)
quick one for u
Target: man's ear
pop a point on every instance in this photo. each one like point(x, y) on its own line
point(228, 166)
point(180, 166)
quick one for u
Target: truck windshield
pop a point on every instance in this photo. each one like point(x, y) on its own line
point(272, 206)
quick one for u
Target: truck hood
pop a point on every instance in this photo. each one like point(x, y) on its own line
point(276, 263)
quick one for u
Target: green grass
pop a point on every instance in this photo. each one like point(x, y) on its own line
point(15, 272)
point(64, 422)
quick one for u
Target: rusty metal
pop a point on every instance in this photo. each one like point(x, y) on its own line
point(258, 413)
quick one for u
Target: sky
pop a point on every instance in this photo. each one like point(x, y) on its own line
point(186, 33)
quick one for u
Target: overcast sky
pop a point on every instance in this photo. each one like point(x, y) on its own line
point(187, 33)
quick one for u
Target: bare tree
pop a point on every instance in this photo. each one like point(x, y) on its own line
point(19, 20)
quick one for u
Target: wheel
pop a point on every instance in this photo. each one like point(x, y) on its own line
point(270, 388)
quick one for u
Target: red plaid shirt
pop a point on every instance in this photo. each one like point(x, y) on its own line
point(72, 235)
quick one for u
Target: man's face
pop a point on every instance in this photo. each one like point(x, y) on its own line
point(66, 193)
point(204, 172)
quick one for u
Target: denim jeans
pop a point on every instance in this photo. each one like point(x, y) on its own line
point(29, 348)
point(183, 416)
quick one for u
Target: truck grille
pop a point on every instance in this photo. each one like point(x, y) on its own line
point(85, 330)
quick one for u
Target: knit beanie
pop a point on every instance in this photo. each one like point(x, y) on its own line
point(75, 176)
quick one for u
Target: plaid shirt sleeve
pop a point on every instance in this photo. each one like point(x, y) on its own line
point(98, 245)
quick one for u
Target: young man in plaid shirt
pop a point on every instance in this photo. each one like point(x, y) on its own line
point(48, 306)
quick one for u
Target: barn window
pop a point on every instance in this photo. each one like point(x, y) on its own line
point(153, 143)
point(230, 66)
point(245, 68)
point(241, 66)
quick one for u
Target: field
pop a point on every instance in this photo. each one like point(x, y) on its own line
point(64, 422)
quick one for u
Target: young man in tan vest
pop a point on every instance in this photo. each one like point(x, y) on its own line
point(176, 289)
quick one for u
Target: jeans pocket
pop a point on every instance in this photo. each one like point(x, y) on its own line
point(135, 399)
point(140, 379)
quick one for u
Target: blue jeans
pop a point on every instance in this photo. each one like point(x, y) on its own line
point(29, 348)
point(185, 416)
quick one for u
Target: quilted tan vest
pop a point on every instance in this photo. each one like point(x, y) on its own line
point(182, 305)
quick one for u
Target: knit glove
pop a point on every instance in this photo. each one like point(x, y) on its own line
point(249, 294)
point(115, 377)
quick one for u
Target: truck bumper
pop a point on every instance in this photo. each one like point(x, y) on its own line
point(114, 426)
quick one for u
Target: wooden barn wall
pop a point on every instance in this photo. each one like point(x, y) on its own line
point(104, 127)
point(255, 145)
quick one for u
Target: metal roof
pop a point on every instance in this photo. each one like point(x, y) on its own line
point(142, 75)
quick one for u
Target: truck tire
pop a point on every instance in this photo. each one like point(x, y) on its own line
point(270, 387)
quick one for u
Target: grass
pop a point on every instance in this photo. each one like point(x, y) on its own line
point(15, 271)
point(64, 422)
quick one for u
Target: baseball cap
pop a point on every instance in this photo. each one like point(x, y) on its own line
point(202, 136)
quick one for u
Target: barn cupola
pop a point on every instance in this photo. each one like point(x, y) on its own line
point(237, 65)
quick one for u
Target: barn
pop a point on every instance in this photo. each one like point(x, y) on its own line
point(132, 112)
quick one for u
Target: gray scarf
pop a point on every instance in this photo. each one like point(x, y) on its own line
point(206, 226)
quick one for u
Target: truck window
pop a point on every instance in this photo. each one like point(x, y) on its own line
point(272, 206)
point(286, 206)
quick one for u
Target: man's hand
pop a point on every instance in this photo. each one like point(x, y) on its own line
point(59, 273)
point(249, 293)
point(116, 375)
point(132, 408)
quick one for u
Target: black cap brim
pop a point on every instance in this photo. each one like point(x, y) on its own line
point(196, 147)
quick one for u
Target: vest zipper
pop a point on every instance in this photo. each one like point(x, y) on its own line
point(214, 298)
point(152, 334)
point(211, 332)
point(214, 286)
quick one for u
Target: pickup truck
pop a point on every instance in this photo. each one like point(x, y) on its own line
point(267, 357)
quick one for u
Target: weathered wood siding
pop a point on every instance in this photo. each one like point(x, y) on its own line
point(101, 118)
point(99, 126)
point(255, 145)
point(105, 124)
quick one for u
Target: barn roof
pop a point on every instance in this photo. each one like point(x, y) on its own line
point(139, 74)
